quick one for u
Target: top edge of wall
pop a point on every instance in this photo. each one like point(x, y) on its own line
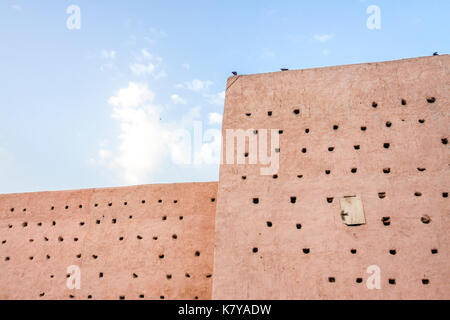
point(440, 56)
point(180, 184)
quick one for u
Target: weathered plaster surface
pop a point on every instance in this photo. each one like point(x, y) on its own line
point(275, 249)
point(326, 97)
point(114, 232)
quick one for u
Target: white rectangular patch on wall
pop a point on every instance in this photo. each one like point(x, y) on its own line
point(352, 212)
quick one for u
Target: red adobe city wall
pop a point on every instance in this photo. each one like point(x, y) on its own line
point(143, 242)
point(378, 131)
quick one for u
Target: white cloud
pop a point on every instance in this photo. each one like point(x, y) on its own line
point(177, 99)
point(195, 85)
point(154, 35)
point(141, 142)
point(104, 154)
point(160, 74)
point(323, 37)
point(215, 118)
point(145, 143)
point(186, 66)
point(158, 32)
point(216, 99)
point(106, 66)
point(108, 54)
point(147, 64)
point(16, 7)
point(136, 94)
point(146, 55)
point(140, 69)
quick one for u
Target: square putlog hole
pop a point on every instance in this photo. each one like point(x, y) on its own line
point(352, 212)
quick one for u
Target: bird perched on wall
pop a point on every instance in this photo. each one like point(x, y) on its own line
point(435, 54)
point(284, 69)
point(234, 73)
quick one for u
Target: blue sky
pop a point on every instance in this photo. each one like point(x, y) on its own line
point(98, 106)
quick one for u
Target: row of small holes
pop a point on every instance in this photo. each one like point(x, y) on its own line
point(390, 281)
point(386, 145)
point(385, 220)
point(381, 195)
point(95, 257)
point(352, 251)
point(161, 256)
point(101, 275)
point(168, 276)
point(424, 219)
point(109, 205)
point(374, 105)
point(141, 296)
point(82, 223)
point(354, 170)
point(363, 128)
point(254, 250)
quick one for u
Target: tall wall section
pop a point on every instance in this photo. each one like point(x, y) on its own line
point(378, 131)
point(144, 242)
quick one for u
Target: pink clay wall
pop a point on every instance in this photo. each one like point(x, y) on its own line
point(129, 245)
point(114, 237)
point(343, 96)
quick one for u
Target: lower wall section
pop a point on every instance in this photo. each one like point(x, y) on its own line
point(144, 242)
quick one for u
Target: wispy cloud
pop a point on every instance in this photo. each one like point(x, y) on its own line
point(135, 95)
point(176, 99)
point(154, 35)
point(108, 54)
point(106, 66)
point(108, 57)
point(216, 99)
point(146, 55)
point(323, 37)
point(215, 118)
point(158, 32)
point(140, 69)
point(16, 7)
point(146, 64)
point(195, 85)
point(201, 87)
